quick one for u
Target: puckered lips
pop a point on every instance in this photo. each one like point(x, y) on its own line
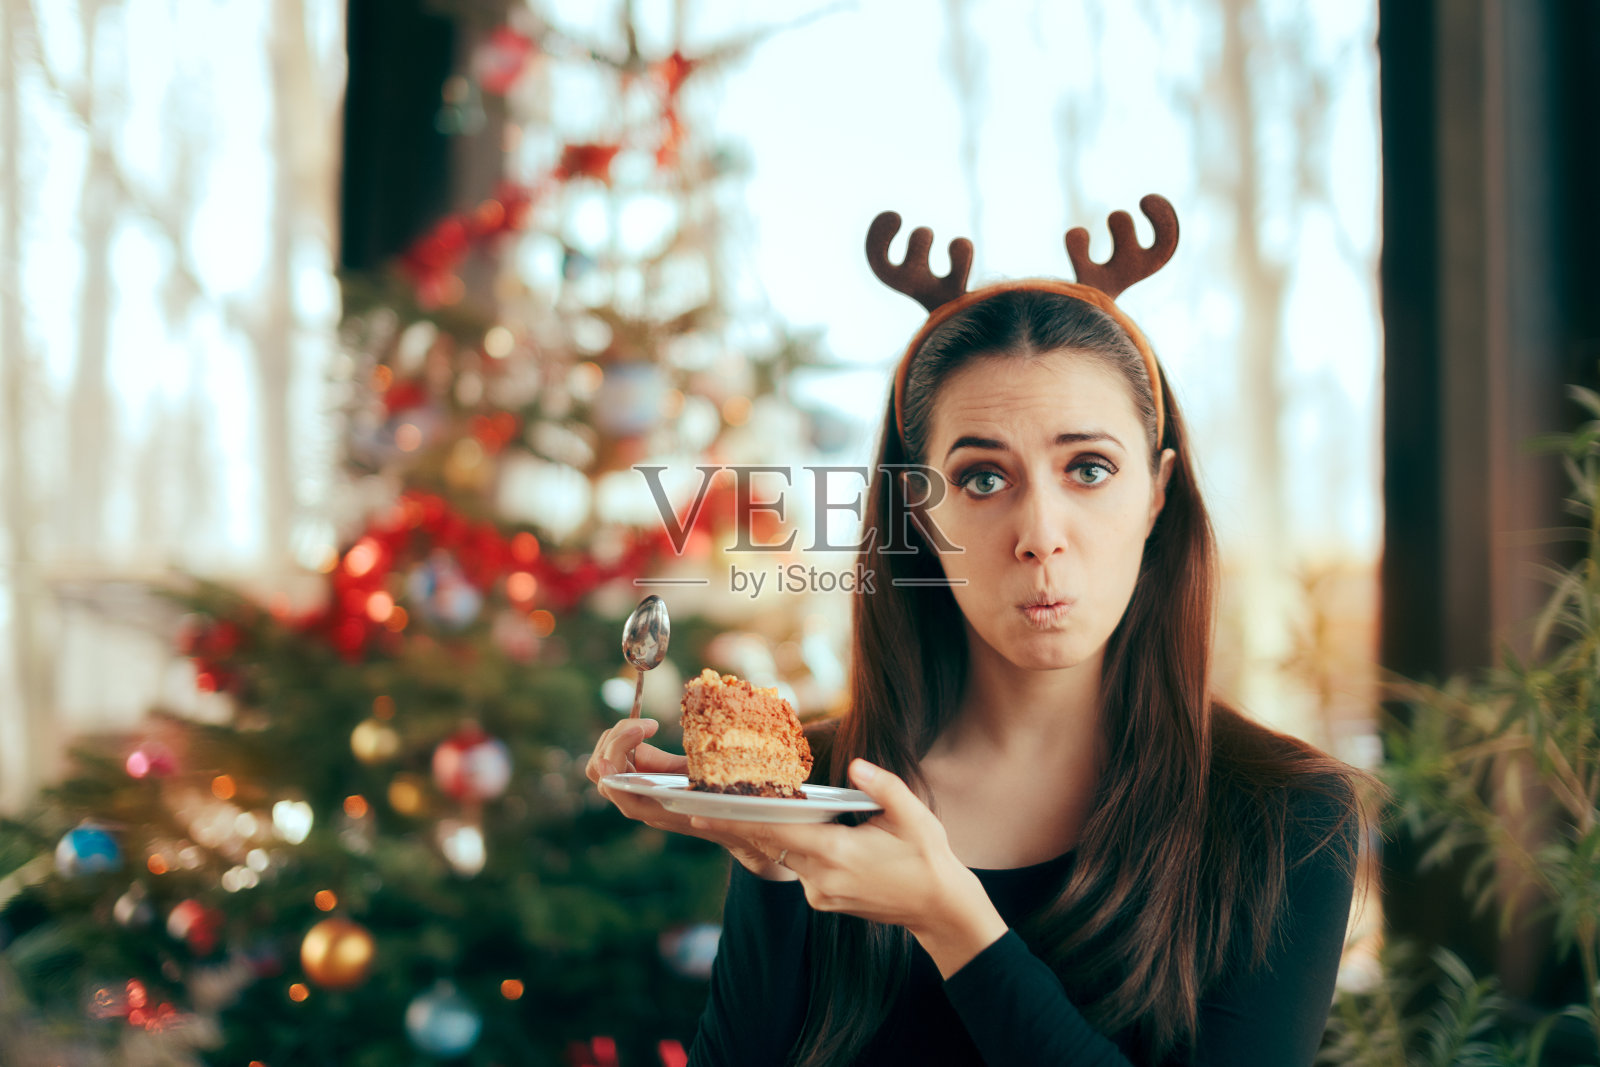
point(1045, 610)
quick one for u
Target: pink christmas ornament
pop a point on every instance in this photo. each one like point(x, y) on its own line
point(151, 760)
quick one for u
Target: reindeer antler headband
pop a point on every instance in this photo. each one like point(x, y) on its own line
point(1098, 283)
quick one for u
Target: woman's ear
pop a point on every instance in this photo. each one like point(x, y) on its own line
point(1158, 492)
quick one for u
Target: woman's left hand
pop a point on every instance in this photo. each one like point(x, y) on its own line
point(895, 868)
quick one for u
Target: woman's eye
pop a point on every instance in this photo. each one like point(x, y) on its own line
point(982, 483)
point(1105, 472)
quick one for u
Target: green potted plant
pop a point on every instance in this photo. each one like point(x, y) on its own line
point(1522, 740)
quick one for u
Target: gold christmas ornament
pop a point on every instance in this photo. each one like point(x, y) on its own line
point(374, 741)
point(338, 954)
point(468, 466)
point(407, 795)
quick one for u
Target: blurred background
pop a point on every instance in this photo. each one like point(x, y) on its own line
point(331, 333)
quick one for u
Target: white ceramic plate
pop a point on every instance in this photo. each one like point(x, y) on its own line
point(822, 802)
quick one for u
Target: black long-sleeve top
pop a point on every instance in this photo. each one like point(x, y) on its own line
point(1006, 1006)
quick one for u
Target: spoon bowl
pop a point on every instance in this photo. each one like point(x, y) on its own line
point(644, 641)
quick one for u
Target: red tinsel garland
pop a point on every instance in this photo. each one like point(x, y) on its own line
point(432, 260)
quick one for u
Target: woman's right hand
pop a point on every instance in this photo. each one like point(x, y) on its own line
point(621, 750)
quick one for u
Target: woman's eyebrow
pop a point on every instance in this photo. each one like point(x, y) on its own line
point(969, 441)
point(1087, 435)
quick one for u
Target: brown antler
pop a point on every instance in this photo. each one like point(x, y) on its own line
point(912, 276)
point(1130, 262)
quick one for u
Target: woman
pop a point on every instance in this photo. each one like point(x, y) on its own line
point(1084, 857)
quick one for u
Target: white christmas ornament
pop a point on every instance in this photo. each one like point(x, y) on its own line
point(463, 847)
point(550, 496)
point(292, 819)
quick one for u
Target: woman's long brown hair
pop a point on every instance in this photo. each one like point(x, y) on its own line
point(1179, 870)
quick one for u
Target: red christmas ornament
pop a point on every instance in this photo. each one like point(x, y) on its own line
point(403, 396)
point(196, 926)
point(472, 766)
point(587, 161)
point(494, 432)
point(211, 643)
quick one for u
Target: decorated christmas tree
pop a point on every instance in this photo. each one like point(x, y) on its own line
point(383, 848)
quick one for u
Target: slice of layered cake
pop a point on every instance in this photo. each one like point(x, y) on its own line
point(740, 739)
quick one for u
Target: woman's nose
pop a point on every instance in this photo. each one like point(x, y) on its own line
point(1042, 523)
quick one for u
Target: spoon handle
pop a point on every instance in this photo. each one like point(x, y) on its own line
point(638, 695)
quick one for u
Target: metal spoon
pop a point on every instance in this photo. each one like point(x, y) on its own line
point(644, 641)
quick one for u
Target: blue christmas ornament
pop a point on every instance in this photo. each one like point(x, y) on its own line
point(690, 950)
point(441, 592)
point(87, 849)
point(575, 262)
point(442, 1022)
point(630, 399)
